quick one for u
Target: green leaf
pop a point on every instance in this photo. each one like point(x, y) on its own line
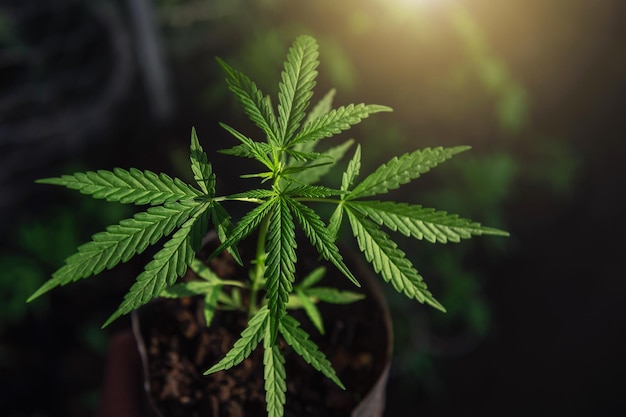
point(243, 347)
point(250, 149)
point(322, 107)
point(222, 225)
point(202, 171)
point(248, 223)
point(311, 310)
point(167, 265)
point(187, 289)
point(315, 171)
point(334, 224)
point(313, 191)
point(204, 272)
point(299, 340)
point(422, 223)
point(313, 277)
point(333, 295)
point(120, 242)
point(388, 260)
point(255, 105)
point(210, 303)
point(315, 229)
point(257, 194)
point(275, 377)
point(280, 262)
point(132, 186)
point(295, 88)
point(352, 171)
point(336, 121)
point(402, 170)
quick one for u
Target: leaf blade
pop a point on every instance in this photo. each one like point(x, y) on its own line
point(299, 340)
point(255, 105)
point(295, 89)
point(274, 375)
point(337, 121)
point(250, 338)
point(200, 166)
point(399, 171)
point(166, 266)
point(423, 223)
point(126, 186)
point(388, 260)
point(280, 262)
point(118, 243)
point(315, 229)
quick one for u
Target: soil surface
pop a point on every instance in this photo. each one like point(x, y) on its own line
point(180, 348)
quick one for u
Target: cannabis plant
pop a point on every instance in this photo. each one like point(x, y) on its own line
point(285, 165)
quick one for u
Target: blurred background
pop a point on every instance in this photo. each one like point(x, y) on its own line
point(535, 87)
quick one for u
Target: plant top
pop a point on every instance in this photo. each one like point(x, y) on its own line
point(288, 166)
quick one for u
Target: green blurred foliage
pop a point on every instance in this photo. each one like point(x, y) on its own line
point(41, 241)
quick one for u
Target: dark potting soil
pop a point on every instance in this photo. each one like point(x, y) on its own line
point(180, 348)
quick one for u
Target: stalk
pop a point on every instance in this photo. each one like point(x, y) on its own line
point(258, 274)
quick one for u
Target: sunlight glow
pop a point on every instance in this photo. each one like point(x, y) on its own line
point(422, 3)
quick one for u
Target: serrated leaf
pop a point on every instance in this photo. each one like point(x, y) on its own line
point(210, 303)
point(314, 171)
point(258, 194)
point(322, 107)
point(313, 191)
point(312, 277)
point(336, 121)
point(255, 105)
point(315, 229)
point(222, 225)
point(248, 223)
point(388, 260)
point(120, 242)
point(296, 86)
point(299, 340)
point(275, 376)
point(250, 149)
point(204, 272)
point(402, 170)
point(352, 170)
point(202, 171)
point(280, 262)
point(299, 157)
point(333, 295)
point(187, 289)
point(311, 310)
point(422, 223)
point(127, 187)
point(243, 347)
point(334, 224)
point(168, 264)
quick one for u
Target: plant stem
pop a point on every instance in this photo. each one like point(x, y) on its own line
point(258, 273)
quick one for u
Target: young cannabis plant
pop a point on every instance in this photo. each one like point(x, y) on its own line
point(289, 168)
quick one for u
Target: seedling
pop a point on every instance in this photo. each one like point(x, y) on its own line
point(285, 167)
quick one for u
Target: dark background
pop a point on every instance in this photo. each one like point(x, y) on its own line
point(535, 322)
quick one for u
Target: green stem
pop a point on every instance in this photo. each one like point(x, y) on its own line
point(259, 267)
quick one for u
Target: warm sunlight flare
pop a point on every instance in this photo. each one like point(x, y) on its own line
point(415, 3)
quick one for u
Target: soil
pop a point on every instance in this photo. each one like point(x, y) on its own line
point(180, 348)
